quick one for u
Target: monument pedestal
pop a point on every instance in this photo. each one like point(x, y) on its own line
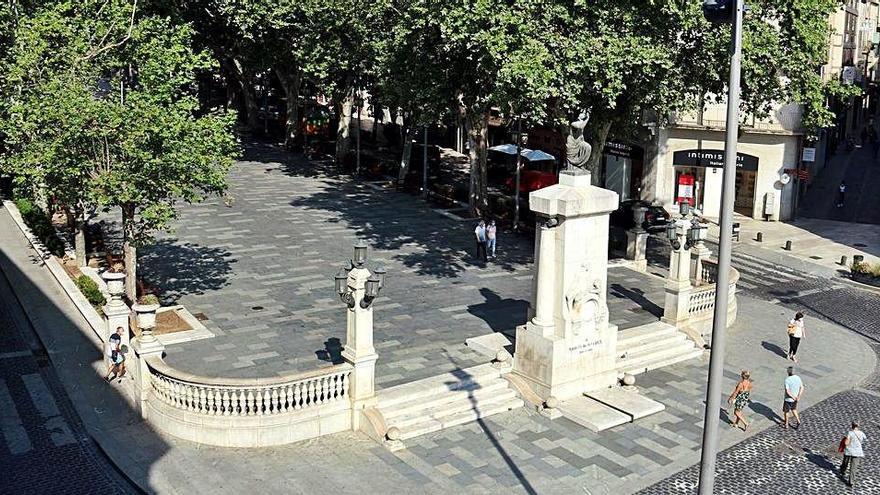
point(568, 347)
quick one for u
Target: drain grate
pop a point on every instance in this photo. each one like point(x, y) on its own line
point(201, 316)
point(816, 257)
point(257, 308)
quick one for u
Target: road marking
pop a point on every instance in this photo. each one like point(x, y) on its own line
point(48, 409)
point(10, 423)
point(16, 354)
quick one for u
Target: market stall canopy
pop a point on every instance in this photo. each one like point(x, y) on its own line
point(507, 149)
point(537, 156)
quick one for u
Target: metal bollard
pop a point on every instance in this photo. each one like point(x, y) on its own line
point(788, 245)
point(843, 260)
point(760, 237)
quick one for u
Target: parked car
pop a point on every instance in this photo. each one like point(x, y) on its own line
point(656, 217)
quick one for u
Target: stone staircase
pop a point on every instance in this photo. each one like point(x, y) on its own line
point(446, 400)
point(653, 346)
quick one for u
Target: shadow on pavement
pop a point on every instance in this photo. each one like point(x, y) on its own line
point(99, 406)
point(775, 349)
point(502, 315)
point(178, 270)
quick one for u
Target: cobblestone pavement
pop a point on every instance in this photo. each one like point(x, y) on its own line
point(262, 272)
point(44, 447)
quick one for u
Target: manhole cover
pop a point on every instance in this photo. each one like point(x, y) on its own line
point(201, 316)
point(859, 244)
point(816, 257)
point(257, 308)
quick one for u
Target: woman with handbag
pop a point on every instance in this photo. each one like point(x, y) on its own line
point(796, 332)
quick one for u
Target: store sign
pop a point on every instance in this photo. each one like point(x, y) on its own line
point(712, 159)
point(616, 148)
point(809, 155)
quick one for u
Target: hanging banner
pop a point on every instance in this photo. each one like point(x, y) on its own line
point(685, 189)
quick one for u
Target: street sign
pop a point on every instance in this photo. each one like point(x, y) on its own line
point(809, 155)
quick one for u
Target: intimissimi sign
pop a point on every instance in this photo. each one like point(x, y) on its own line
point(712, 159)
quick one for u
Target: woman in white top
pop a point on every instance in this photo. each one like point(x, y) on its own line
point(795, 333)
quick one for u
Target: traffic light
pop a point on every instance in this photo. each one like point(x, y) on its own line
point(719, 11)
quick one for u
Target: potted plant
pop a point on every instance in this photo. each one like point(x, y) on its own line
point(115, 279)
point(146, 308)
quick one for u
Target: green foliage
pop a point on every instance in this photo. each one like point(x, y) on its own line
point(90, 290)
point(863, 268)
point(148, 300)
point(38, 222)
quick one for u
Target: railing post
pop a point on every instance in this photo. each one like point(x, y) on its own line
point(699, 253)
point(359, 350)
point(141, 371)
point(678, 284)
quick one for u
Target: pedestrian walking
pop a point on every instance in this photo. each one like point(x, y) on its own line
point(841, 194)
point(796, 332)
point(480, 233)
point(740, 399)
point(491, 236)
point(794, 388)
point(851, 446)
point(116, 355)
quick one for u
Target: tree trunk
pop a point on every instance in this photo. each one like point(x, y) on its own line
point(343, 131)
point(405, 157)
point(377, 116)
point(477, 121)
point(291, 81)
point(245, 79)
point(597, 135)
point(79, 236)
point(129, 252)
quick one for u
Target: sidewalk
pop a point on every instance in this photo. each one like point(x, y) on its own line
point(515, 452)
point(816, 245)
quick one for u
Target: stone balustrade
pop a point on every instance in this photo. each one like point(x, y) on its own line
point(247, 397)
point(248, 412)
point(702, 298)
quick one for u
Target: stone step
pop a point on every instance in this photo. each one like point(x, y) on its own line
point(432, 424)
point(663, 342)
point(647, 359)
point(592, 414)
point(471, 390)
point(630, 403)
point(454, 380)
point(444, 410)
point(645, 333)
point(641, 368)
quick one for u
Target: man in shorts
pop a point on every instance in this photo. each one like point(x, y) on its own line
point(794, 387)
point(116, 355)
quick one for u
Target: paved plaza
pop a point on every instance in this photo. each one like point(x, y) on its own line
point(261, 271)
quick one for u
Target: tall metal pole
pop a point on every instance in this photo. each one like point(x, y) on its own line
point(425, 165)
point(518, 167)
point(358, 135)
point(719, 321)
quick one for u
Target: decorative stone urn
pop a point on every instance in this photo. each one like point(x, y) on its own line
point(115, 286)
point(146, 319)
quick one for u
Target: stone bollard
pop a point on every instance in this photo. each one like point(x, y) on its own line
point(843, 260)
point(760, 237)
point(788, 245)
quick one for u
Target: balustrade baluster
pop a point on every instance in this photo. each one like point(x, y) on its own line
point(276, 405)
point(312, 395)
point(339, 389)
point(225, 403)
point(322, 390)
point(250, 402)
point(345, 384)
point(203, 399)
point(190, 400)
point(259, 402)
point(297, 395)
point(211, 406)
point(287, 399)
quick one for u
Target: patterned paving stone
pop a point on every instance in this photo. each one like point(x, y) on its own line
point(262, 272)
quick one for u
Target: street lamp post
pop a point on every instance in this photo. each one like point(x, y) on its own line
point(518, 168)
point(425, 165)
point(719, 321)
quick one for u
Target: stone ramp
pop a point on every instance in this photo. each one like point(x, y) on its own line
point(450, 399)
point(653, 346)
point(608, 407)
